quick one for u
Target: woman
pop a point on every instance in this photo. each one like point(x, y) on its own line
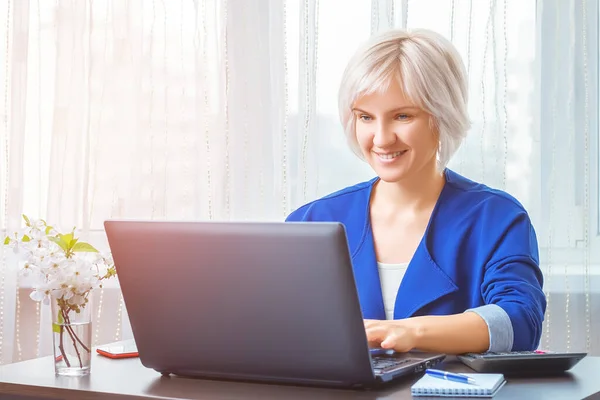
point(441, 263)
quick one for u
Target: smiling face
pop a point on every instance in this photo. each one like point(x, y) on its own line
point(394, 135)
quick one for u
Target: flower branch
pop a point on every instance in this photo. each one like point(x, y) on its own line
point(65, 270)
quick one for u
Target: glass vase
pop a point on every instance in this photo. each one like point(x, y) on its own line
point(72, 337)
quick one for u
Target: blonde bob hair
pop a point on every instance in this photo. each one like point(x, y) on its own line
point(430, 72)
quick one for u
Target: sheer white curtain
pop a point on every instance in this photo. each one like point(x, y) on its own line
point(226, 110)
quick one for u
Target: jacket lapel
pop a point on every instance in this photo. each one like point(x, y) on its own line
point(423, 283)
point(367, 280)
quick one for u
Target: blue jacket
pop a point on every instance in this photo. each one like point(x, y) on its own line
point(479, 248)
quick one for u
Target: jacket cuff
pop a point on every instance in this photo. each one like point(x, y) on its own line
point(500, 328)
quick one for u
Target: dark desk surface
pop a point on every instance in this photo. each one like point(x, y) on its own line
point(128, 379)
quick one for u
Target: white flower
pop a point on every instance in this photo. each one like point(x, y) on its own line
point(42, 292)
point(30, 270)
point(37, 225)
point(55, 269)
point(40, 242)
point(14, 244)
point(40, 257)
point(64, 291)
point(83, 273)
point(21, 249)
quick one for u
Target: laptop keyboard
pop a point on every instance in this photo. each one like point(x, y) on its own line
point(385, 364)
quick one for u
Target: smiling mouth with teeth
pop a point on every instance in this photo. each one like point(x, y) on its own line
point(390, 156)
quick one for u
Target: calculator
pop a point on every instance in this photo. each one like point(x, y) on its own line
point(537, 362)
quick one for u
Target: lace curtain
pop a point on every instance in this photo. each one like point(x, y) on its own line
point(227, 110)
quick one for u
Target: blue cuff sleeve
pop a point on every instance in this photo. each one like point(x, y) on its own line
point(500, 328)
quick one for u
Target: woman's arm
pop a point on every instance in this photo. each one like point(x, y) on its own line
point(510, 320)
point(511, 316)
point(449, 334)
point(452, 334)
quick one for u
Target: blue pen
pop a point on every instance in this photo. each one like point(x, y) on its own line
point(449, 376)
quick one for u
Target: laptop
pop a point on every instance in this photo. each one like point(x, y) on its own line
point(270, 302)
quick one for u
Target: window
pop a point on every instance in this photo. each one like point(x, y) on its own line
point(569, 131)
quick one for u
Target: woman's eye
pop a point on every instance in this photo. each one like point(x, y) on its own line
point(402, 116)
point(364, 117)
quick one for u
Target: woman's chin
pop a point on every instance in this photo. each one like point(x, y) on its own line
point(392, 175)
point(401, 171)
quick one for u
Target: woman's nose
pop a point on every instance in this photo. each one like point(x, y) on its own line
point(384, 136)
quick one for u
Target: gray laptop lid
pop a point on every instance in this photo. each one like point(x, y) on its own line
point(267, 301)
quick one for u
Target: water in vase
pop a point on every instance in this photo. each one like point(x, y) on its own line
point(72, 348)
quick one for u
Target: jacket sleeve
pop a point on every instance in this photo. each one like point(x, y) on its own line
point(513, 281)
point(500, 329)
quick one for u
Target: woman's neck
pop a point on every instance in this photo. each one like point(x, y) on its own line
point(413, 193)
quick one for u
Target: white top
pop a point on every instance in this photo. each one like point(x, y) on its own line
point(390, 276)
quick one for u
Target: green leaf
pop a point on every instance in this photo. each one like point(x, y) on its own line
point(48, 229)
point(69, 240)
point(7, 240)
point(66, 238)
point(26, 239)
point(59, 242)
point(84, 247)
point(26, 220)
point(55, 328)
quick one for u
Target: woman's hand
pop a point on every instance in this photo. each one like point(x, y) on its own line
point(400, 335)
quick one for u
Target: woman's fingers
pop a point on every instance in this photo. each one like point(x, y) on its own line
point(376, 334)
point(387, 336)
point(390, 342)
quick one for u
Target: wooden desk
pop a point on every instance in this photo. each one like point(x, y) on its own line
point(128, 379)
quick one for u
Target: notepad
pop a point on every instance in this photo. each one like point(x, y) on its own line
point(487, 386)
